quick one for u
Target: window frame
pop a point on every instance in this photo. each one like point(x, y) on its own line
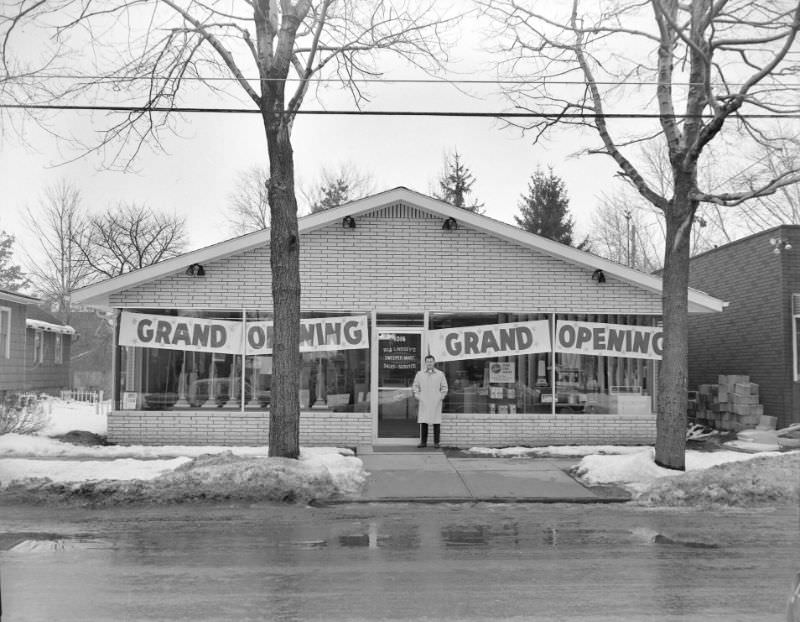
point(795, 319)
point(38, 350)
point(58, 348)
point(6, 354)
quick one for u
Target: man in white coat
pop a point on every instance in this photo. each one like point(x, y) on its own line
point(430, 387)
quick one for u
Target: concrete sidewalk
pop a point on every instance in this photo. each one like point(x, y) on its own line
point(431, 476)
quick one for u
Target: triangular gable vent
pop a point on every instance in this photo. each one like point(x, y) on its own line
point(399, 210)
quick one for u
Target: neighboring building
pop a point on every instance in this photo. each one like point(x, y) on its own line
point(541, 343)
point(92, 345)
point(13, 338)
point(757, 334)
point(34, 346)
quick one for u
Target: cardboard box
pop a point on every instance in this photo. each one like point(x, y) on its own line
point(742, 388)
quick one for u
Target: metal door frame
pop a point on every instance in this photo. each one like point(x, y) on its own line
point(376, 440)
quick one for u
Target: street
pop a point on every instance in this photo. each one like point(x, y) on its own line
point(396, 561)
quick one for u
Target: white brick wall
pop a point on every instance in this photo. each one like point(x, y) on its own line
point(398, 263)
point(546, 429)
point(234, 428)
point(355, 429)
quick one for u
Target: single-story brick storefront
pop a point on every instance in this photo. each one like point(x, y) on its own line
point(540, 343)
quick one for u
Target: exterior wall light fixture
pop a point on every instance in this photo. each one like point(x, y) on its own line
point(195, 270)
point(450, 224)
point(779, 244)
point(599, 276)
point(348, 222)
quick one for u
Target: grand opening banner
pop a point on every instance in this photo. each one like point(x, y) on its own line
point(473, 342)
point(227, 336)
point(637, 342)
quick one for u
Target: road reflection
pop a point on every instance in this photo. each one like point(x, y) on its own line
point(440, 562)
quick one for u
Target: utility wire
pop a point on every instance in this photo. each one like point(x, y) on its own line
point(388, 113)
point(444, 81)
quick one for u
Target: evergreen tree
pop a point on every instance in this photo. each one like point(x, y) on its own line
point(455, 184)
point(332, 193)
point(545, 209)
point(338, 186)
point(11, 277)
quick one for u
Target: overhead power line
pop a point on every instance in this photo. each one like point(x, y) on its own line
point(442, 81)
point(386, 113)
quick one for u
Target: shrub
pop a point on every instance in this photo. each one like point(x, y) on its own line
point(21, 414)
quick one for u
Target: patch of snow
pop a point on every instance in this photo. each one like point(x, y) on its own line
point(64, 416)
point(637, 471)
point(20, 445)
point(555, 450)
point(751, 446)
point(60, 462)
point(346, 471)
point(12, 469)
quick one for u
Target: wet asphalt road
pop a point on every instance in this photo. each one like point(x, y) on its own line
point(404, 561)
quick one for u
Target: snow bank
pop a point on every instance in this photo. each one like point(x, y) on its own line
point(321, 473)
point(23, 445)
point(722, 478)
point(34, 467)
point(762, 480)
point(638, 470)
point(18, 469)
point(554, 450)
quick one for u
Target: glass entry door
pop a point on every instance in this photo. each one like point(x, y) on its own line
point(399, 359)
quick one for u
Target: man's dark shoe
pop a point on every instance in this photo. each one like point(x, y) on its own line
point(421, 445)
point(436, 445)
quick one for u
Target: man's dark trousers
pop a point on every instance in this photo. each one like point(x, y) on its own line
point(424, 433)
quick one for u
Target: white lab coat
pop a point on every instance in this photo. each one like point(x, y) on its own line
point(430, 388)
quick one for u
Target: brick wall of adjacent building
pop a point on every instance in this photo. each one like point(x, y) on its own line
point(790, 260)
point(753, 335)
point(391, 261)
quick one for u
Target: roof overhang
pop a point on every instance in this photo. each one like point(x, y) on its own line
point(97, 295)
point(18, 298)
point(51, 328)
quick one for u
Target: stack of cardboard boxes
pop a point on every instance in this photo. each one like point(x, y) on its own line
point(731, 404)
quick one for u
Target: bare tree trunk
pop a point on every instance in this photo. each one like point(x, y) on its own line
point(284, 433)
point(673, 382)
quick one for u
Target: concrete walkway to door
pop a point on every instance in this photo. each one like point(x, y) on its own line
point(429, 475)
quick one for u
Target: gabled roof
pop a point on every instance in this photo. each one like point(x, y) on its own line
point(22, 299)
point(98, 293)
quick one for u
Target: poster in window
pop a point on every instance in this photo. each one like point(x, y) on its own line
point(501, 372)
point(129, 400)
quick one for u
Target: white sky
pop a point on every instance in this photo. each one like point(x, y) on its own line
point(199, 172)
point(196, 176)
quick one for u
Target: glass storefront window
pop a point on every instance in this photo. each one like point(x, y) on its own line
point(335, 380)
point(171, 378)
point(495, 385)
point(605, 384)
point(258, 370)
point(159, 378)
